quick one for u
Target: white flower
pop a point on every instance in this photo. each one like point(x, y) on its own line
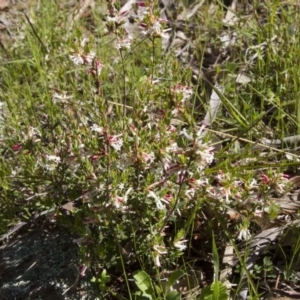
point(117, 18)
point(184, 133)
point(226, 193)
point(158, 201)
point(115, 141)
point(53, 162)
point(175, 112)
point(201, 182)
point(113, 19)
point(167, 161)
point(77, 59)
point(124, 43)
point(159, 251)
point(214, 192)
point(53, 158)
point(34, 132)
point(121, 186)
point(82, 269)
point(190, 193)
point(258, 213)
point(95, 67)
point(180, 245)
point(185, 91)
point(148, 157)
point(244, 234)
point(120, 202)
point(61, 98)
point(155, 30)
point(89, 57)
point(253, 184)
point(157, 261)
point(81, 58)
point(173, 148)
point(97, 128)
point(205, 154)
point(84, 42)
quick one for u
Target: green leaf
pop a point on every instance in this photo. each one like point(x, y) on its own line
point(143, 282)
point(142, 296)
point(208, 293)
point(172, 279)
point(215, 256)
point(104, 277)
point(173, 295)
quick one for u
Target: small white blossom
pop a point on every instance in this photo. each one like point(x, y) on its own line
point(33, 133)
point(113, 19)
point(173, 148)
point(180, 245)
point(201, 182)
point(120, 202)
point(258, 213)
point(115, 141)
point(205, 154)
point(77, 59)
point(89, 57)
point(253, 184)
point(244, 234)
point(53, 158)
point(157, 261)
point(158, 201)
point(61, 98)
point(53, 162)
point(155, 30)
point(82, 270)
point(96, 67)
point(124, 42)
point(185, 91)
point(121, 186)
point(148, 157)
point(190, 193)
point(214, 192)
point(159, 251)
point(80, 56)
point(184, 133)
point(97, 128)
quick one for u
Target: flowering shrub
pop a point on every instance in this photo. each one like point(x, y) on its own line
point(145, 187)
point(151, 176)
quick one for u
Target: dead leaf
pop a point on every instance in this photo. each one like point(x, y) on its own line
point(231, 17)
point(295, 181)
point(243, 78)
point(69, 207)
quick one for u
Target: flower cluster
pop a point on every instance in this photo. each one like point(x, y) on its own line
point(134, 19)
point(83, 56)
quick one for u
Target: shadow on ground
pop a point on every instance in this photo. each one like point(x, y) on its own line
point(41, 263)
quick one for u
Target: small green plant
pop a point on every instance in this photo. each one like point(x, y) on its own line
point(266, 270)
point(149, 290)
point(102, 281)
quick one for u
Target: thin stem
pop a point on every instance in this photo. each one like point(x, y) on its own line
point(124, 87)
point(35, 33)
